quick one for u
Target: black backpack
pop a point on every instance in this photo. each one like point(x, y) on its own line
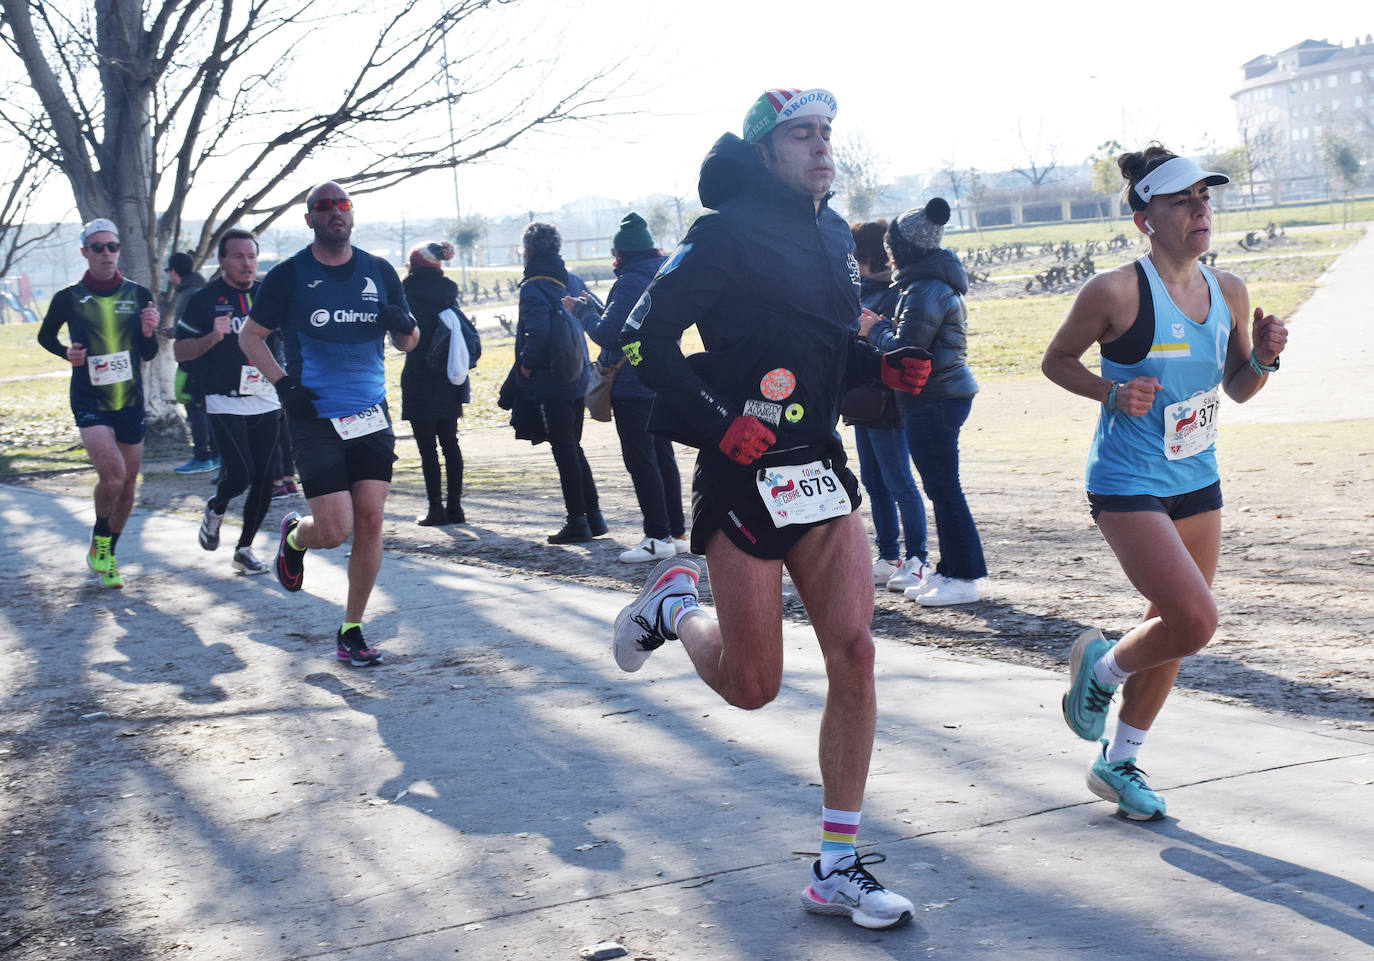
point(567, 350)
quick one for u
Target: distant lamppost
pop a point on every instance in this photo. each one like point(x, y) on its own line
point(453, 158)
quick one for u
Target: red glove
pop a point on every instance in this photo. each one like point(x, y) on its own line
point(906, 369)
point(746, 439)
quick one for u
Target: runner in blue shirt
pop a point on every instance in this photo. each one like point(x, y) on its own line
point(335, 305)
point(1173, 337)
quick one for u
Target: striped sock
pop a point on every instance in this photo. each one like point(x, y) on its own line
point(673, 609)
point(838, 830)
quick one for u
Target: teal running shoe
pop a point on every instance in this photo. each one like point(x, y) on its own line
point(1123, 782)
point(1086, 701)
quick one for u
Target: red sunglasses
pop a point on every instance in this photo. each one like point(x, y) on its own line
point(328, 203)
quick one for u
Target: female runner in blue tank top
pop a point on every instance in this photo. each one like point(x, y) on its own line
point(1173, 336)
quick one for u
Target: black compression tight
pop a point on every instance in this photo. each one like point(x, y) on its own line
point(247, 447)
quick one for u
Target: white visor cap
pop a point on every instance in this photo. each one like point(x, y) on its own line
point(1174, 176)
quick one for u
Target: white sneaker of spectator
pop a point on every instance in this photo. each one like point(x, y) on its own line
point(883, 570)
point(931, 581)
point(649, 549)
point(950, 590)
point(913, 573)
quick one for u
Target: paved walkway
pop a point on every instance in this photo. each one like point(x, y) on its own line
point(1327, 370)
point(500, 790)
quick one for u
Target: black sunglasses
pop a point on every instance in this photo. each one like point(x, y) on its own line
point(326, 203)
point(97, 247)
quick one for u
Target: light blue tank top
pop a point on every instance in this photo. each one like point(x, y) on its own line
point(1171, 450)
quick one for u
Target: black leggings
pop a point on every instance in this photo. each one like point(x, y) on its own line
point(445, 432)
point(247, 448)
point(653, 468)
point(563, 424)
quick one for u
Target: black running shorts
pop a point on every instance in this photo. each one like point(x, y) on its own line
point(725, 497)
point(1177, 507)
point(128, 423)
point(328, 464)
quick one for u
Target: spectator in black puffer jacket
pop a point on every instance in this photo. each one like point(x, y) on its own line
point(648, 457)
point(931, 314)
point(429, 401)
point(884, 463)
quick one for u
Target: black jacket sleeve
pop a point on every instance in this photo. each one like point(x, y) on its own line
point(53, 321)
point(147, 346)
point(686, 289)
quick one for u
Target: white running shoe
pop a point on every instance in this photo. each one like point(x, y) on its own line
point(884, 570)
point(852, 892)
point(913, 573)
point(649, 549)
point(683, 544)
point(639, 627)
point(950, 590)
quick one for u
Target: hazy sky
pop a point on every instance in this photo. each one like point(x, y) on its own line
point(923, 84)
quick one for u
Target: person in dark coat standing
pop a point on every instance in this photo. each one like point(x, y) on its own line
point(932, 314)
point(649, 458)
point(429, 401)
point(884, 463)
point(546, 282)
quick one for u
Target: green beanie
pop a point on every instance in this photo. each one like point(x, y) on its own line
point(633, 234)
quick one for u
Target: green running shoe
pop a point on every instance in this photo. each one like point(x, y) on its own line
point(109, 577)
point(1123, 782)
point(98, 557)
point(1086, 701)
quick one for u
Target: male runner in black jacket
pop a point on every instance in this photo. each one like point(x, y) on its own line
point(771, 283)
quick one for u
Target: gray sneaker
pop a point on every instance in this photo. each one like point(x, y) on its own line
point(209, 528)
point(639, 628)
point(1086, 701)
point(245, 563)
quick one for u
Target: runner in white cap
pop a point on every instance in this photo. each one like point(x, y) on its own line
point(112, 325)
point(1174, 335)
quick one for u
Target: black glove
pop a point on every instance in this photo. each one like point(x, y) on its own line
point(296, 398)
point(397, 322)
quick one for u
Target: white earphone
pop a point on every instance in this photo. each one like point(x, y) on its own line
point(1149, 227)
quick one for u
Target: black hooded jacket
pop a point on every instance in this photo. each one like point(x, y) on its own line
point(773, 289)
point(931, 313)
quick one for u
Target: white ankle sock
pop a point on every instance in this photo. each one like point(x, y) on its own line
point(1127, 742)
point(1107, 672)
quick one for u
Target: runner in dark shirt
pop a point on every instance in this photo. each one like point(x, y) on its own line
point(770, 281)
point(335, 305)
point(112, 325)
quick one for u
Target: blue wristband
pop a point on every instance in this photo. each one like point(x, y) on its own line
point(1111, 395)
